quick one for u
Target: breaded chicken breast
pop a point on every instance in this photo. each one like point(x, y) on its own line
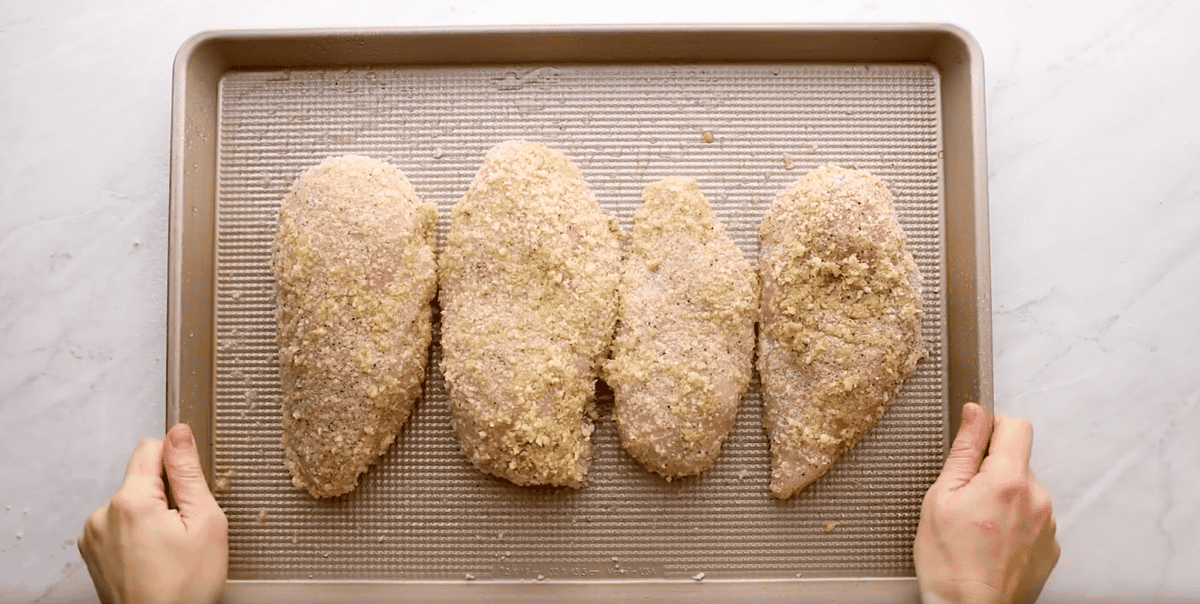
point(355, 274)
point(841, 319)
point(528, 284)
point(684, 349)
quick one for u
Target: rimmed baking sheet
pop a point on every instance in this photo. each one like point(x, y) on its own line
point(423, 515)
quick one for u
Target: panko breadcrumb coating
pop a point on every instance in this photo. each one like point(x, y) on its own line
point(684, 349)
point(528, 284)
point(841, 319)
point(355, 274)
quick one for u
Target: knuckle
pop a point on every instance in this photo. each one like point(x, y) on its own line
point(936, 498)
point(1040, 502)
point(1012, 490)
point(962, 445)
point(125, 504)
point(94, 528)
point(216, 527)
point(989, 527)
point(1044, 509)
point(121, 503)
point(185, 469)
point(943, 511)
point(931, 499)
point(96, 520)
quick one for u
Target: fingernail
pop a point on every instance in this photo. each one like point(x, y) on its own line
point(181, 436)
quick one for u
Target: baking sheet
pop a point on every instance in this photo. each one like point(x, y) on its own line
point(423, 513)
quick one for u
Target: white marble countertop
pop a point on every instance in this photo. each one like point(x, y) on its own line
point(1094, 152)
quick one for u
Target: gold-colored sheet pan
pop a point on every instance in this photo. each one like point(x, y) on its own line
point(629, 105)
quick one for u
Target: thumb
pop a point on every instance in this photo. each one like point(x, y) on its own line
point(966, 453)
point(182, 463)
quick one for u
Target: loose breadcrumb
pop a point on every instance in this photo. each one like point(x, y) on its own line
point(684, 349)
point(355, 275)
point(829, 526)
point(707, 136)
point(528, 280)
point(787, 162)
point(841, 319)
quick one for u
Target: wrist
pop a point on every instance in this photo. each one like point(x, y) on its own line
point(928, 597)
point(961, 594)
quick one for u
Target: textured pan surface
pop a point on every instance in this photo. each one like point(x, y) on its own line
point(423, 512)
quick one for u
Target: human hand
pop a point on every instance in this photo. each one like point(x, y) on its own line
point(986, 534)
point(138, 550)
